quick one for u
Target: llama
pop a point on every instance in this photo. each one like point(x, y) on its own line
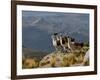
point(74, 45)
point(56, 42)
point(78, 45)
point(64, 43)
point(70, 43)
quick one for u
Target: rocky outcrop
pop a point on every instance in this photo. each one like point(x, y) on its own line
point(58, 59)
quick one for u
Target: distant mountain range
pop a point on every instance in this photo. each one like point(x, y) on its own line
point(37, 28)
point(27, 52)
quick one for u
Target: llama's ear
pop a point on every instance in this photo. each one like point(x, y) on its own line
point(72, 39)
point(55, 33)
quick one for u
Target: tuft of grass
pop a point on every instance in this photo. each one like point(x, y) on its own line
point(30, 63)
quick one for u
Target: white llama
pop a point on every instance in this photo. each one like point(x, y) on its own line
point(56, 42)
point(64, 43)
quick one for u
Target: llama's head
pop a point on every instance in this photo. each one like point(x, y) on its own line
point(72, 39)
point(53, 37)
point(55, 34)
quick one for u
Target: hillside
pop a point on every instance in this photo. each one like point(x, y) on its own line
point(57, 59)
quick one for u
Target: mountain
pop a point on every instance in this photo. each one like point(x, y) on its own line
point(37, 28)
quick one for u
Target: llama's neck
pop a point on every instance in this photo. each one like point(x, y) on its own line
point(69, 42)
point(53, 38)
point(60, 39)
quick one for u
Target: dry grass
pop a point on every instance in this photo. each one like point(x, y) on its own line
point(30, 63)
point(58, 59)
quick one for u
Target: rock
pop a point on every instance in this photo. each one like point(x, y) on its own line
point(57, 59)
point(47, 61)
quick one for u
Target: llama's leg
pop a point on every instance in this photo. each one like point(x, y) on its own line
point(64, 49)
point(59, 48)
point(56, 49)
point(70, 47)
